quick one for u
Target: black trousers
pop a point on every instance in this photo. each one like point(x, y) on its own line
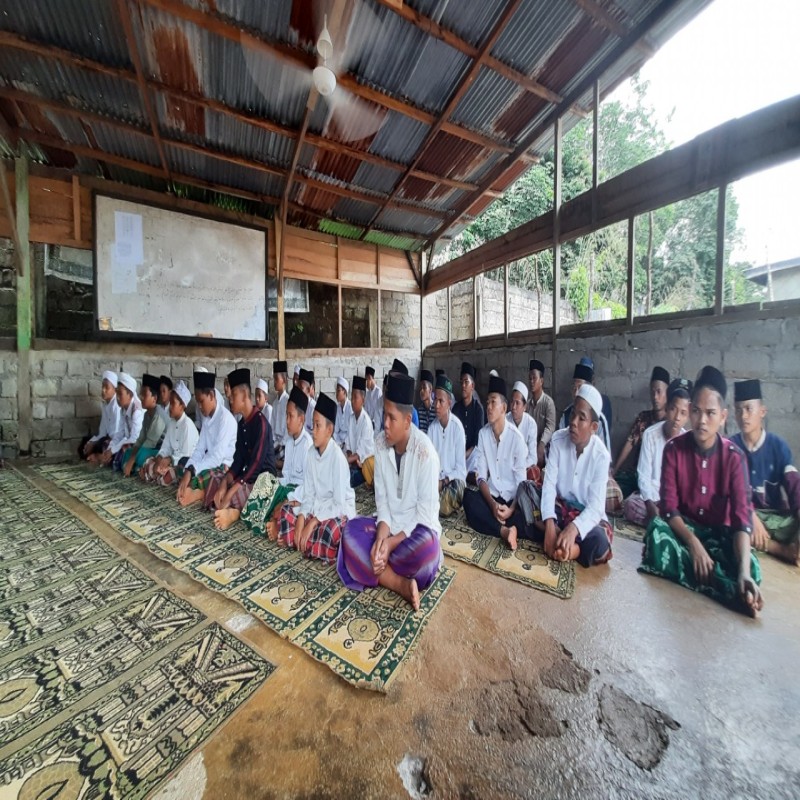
point(481, 518)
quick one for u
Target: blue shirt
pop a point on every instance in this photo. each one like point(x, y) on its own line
point(775, 481)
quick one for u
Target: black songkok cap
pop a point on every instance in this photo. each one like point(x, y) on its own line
point(279, 366)
point(306, 375)
point(327, 407)
point(746, 390)
point(536, 364)
point(167, 381)
point(370, 372)
point(443, 382)
point(399, 366)
point(497, 386)
point(439, 371)
point(151, 382)
point(427, 375)
point(583, 372)
point(204, 380)
point(299, 398)
point(659, 374)
point(711, 378)
point(680, 387)
point(239, 377)
point(359, 383)
point(400, 389)
point(468, 369)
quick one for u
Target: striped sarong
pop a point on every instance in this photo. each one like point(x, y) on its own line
point(323, 544)
point(418, 556)
point(267, 495)
point(451, 497)
point(668, 557)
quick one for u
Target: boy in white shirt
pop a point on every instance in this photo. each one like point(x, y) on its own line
point(91, 448)
point(450, 442)
point(359, 446)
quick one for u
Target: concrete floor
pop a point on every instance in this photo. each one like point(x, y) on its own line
point(513, 693)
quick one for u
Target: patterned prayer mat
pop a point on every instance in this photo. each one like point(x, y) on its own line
point(107, 681)
point(363, 637)
point(528, 564)
point(627, 530)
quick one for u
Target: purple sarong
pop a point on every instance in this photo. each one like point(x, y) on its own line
point(419, 556)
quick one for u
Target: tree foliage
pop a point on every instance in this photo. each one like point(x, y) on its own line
point(682, 257)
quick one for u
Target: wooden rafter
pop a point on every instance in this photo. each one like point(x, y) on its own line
point(13, 40)
point(144, 92)
point(298, 58)
point(613, 25)
point(497, 173)
point(463, 87)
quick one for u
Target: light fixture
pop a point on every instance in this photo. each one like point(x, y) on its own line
point(324, 80)
point(324, 43)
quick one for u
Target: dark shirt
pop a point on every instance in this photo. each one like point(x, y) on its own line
point(255, 451)
point(426, 416)
point(709, 488)
point(774, 480)
point(607, 412)
point(472, 418)
point(642, 422)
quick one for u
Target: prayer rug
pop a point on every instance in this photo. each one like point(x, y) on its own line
point(627, 530)
point(363, 637)
point(108, 681)
point(527, 564)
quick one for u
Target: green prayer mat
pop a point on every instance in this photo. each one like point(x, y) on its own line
point(667, 557)
point(363, 637)
point(627, 530)
point(108, 682)
point(528, 564)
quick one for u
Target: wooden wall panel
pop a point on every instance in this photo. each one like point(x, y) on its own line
point(310, 256)
point(395, 271)
point(358, 262)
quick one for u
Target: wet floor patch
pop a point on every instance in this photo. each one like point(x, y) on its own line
point(566, 674)
point(515, 710)
point(639, 731)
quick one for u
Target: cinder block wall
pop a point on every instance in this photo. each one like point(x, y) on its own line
point(768, 349)
point(65, 384)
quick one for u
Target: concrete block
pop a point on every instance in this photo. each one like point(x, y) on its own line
point(54, 367)
point(76, 428)
point(753, 362)
point(60, 409)
point(135, 368)
point(8, 408)
point(617, 387)
point(60, 447)
point(8, 387)
point(9, 431)
point(44, 387)
point(38, 449)
point(88, 407)
point(46, 429)
point(39, 410)
point(758, 333)
point(786, 365)
point(75, 387)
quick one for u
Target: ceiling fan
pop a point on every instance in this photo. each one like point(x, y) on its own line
point(349, 118)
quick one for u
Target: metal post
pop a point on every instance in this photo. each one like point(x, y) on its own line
point(505, 304)
point(631, 270)
point(595, 147)
point(556, 249)
point(719, 287)
point(24, 307)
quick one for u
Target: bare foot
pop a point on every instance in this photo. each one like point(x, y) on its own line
point(410, 592)
point(272, 530)
point(224, 518)
point(191, 496)
point(511, 537)
point(786, 552)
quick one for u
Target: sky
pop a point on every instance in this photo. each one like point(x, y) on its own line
point(735, 57)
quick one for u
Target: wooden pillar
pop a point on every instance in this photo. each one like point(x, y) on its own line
point(449, 316)
point(719, 286)
point(631, 266)
point(556, 251)
point(595, 148)
point(280, 249)
point(475, 308)
point(505, 304)
point(24, 307)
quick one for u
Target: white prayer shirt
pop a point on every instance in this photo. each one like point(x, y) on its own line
point(360, 436)
point(312, 404)
point(650, 458)
point(326, 488)
point(502, 464)
point(373, 405)
point(130, 426)
point(576, 479)
point(180, 439)
point(109, 420)
point(294, 463)
point(450, 444)
point(342, 424)
point(217, 441)
point(411, 497)
point(530, 432)
point(279, 417)
point(267, 412)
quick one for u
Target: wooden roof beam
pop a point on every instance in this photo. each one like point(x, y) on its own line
point(607, 20)
point(463, 87)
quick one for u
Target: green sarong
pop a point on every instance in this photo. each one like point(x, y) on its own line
point(268, 493)
point(628, 481)
point(783, 528)
point(142, 456)
point(668, 557)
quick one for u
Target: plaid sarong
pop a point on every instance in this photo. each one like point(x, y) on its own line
point(202, 479)
point(323, 544)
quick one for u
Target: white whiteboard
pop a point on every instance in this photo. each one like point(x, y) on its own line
point(160, 272)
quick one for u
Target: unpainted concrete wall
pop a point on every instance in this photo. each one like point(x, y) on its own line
point(768, 349)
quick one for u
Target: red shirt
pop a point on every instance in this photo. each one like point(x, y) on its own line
point(710, 488)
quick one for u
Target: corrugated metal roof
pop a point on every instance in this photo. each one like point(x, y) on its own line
point(554, 41)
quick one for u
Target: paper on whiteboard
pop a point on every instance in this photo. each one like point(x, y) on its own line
point(129, 242)
point(123, 278)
